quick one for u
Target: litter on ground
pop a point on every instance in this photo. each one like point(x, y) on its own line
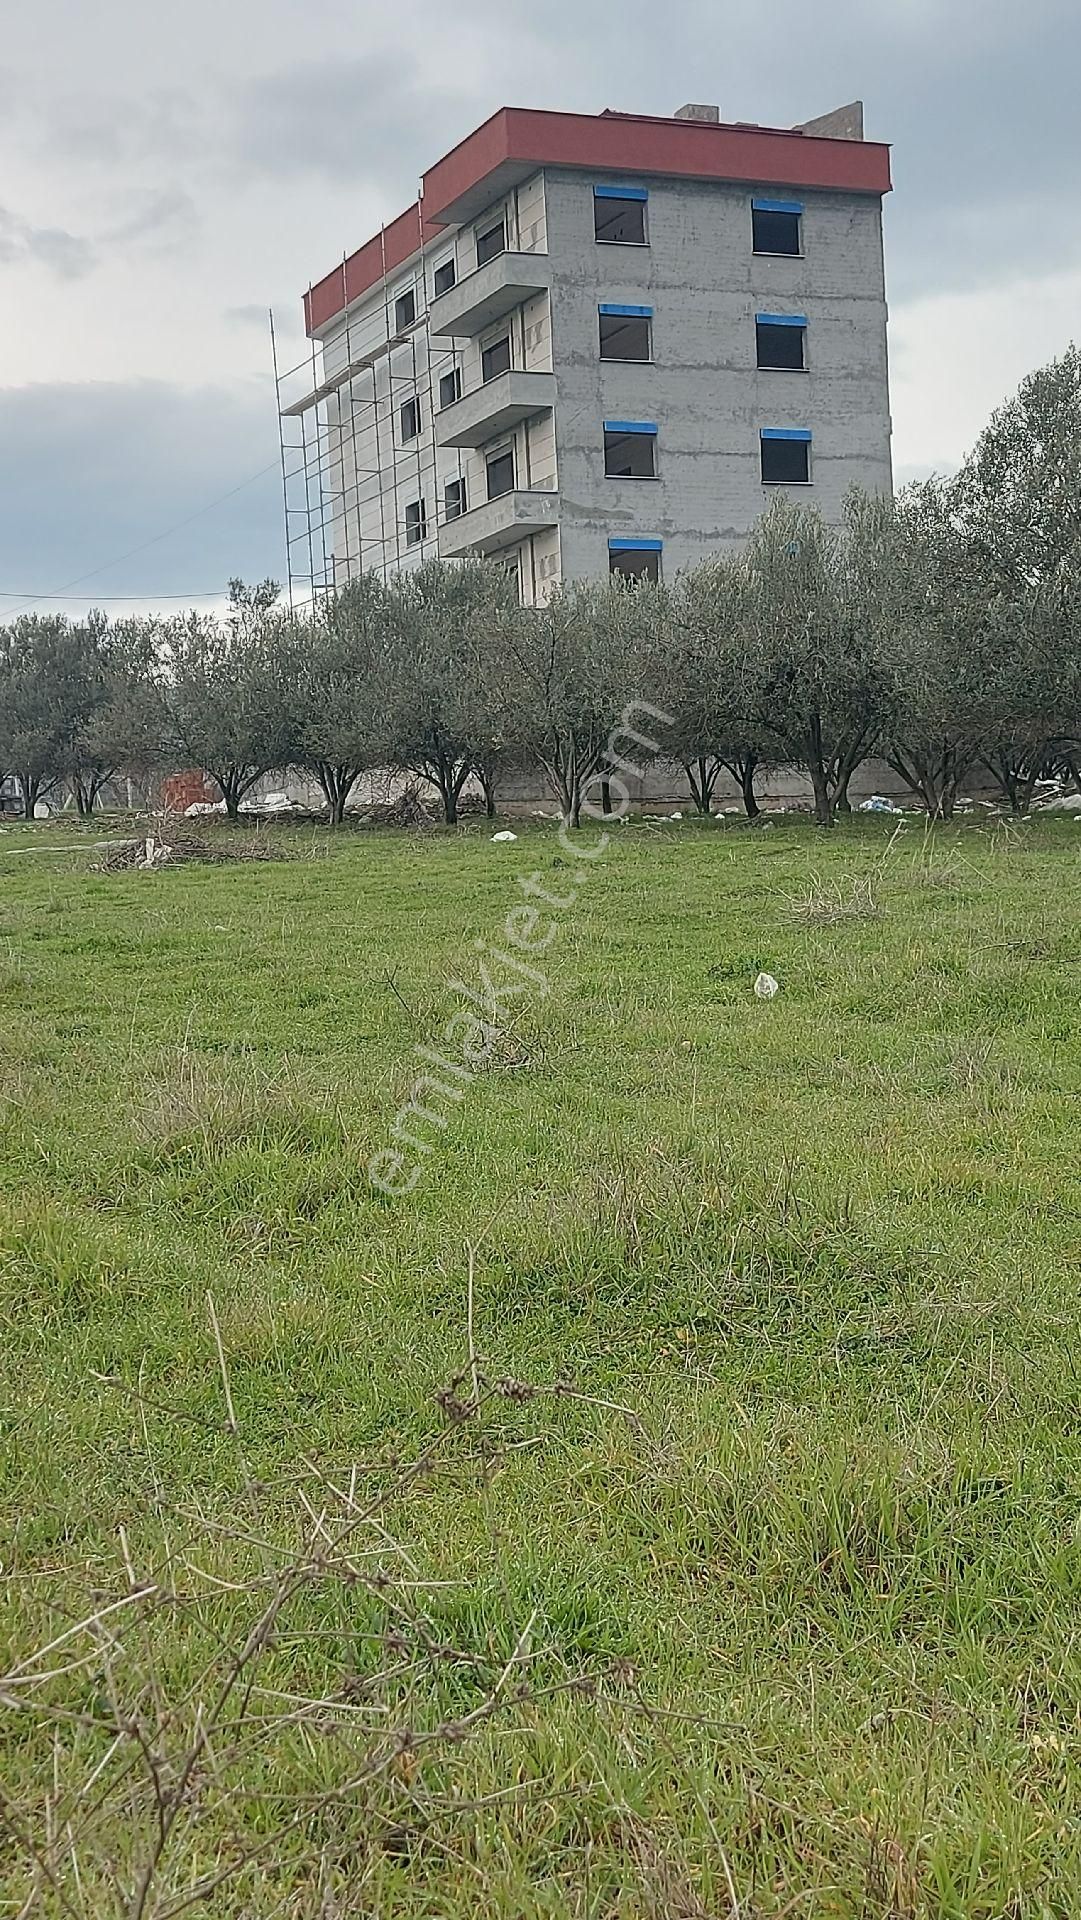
point(1057, 803)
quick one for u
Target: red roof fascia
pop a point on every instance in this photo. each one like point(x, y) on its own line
point(617, 143)
point(365, 268)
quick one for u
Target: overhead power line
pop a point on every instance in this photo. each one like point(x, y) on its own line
point(33, 598)
point(203, 593)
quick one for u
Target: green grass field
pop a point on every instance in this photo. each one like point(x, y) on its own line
point(743, 1580)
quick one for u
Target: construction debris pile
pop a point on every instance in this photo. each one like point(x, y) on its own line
point(171, 843)
point(410, 808)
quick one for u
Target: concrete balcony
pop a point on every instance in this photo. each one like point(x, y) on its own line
point(498, 523)
point(500, 404)
point(485, 296)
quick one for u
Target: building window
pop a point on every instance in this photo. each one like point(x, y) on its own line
point(405, 310)
point(444, 278)
point(626, 333)
point(416, 523)
point(450, 387)
point(454, 499)
point(630, 450)
point(776, 226)
point(500, 470)
point(619, 216)
point(491, 243)
point(495, 359)
point(635, 560)
point(786, 457)
point(409, 419)
point(781, 338)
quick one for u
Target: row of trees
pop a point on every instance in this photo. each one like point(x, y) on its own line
point(940, 631)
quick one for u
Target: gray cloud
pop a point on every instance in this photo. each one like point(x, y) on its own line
point(254, 314)
point(125, 130)
point(160, 214)
point(344, 119)
point(91, 472)
point(166, 217)
point(288, 317)
point(67, 255)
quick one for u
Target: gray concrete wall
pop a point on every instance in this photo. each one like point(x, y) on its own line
point(663, 788)
point(704, 389)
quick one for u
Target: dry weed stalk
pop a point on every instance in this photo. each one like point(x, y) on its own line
point(177, 1762)
point(825, 906)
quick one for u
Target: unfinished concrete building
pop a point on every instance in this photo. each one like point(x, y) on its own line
point(595, 343)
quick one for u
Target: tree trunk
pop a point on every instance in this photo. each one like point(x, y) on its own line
point(568, 773)
point(701, 779)
point(230, 793)
point(1027, 786)
point(1005, 779)
point(487, 781)
point(449, 781)
point(841, 801)
point(944, 783)
point(31, 789)
point(747, 769)
point(87, 790)
point(823, 809)
point(337, 783)
point(571, 799)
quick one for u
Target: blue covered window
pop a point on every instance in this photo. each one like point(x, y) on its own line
point(777, 226)
point(781, 340)
point(786, 457)
point(626, 333)
point(630, 449)
point(619, 216)
point(635, 560)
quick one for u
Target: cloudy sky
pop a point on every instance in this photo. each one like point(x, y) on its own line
point(169, 172)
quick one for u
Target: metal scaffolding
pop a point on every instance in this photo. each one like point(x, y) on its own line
point(326, 412)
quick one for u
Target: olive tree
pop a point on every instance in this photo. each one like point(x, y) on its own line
point(342, 683)
point(1019, 497)
point(916, 593)
point(120, 722)
point(811, 683)
point(43, 684)
point(569, 671)
point(228, 695)
point(698, 671)
point(443, 718)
